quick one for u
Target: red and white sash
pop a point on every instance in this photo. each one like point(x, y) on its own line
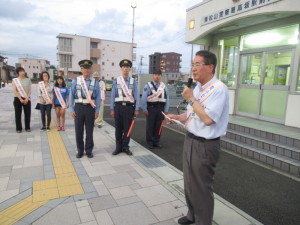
point(86, 92)
point(20, 88)
point(157, 93)
point(126, 91)
point(44, 91)
point(202, 97)
point(60, 98)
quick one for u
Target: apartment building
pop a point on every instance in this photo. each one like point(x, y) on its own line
point(34, 67)
point(105, 55)
point(168, 62)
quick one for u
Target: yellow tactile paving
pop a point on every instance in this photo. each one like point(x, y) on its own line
point(66, 183)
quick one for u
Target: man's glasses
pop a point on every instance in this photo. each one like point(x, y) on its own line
point(198, 64)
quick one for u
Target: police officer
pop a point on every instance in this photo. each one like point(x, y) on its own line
point(84, 104)
point(124, 106)
point(155, 100)
point(206, 120)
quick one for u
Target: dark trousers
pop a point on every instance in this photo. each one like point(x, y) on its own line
point(18, 114)
point(85, 117)
point(154, 120)
point(123, 118)
point(46, 110)
point(199, 162)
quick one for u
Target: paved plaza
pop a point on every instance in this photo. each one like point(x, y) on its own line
point(42, 182)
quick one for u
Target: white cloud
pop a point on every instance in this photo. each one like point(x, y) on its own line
point(31, 26)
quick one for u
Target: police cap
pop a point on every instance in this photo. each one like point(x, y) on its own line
point(157, 72)
point(85, 63)
point(125, 62)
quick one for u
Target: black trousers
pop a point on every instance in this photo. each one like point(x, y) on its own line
point(154, 120)
point(85, 117)
point(18, 114)
point(199, 162)
point(123, 118)
point(46, 110)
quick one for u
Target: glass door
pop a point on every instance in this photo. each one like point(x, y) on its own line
point(264, 84)
point(250, 82)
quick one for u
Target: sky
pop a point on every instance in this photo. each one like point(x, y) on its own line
point(28, 28)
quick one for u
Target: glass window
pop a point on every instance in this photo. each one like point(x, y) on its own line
point(65, 61)
point(94, 60)
point(271, 38)
point(94, 45)
point(277, 68)
point(228, 61)
point(65, 44)
point(251, 69)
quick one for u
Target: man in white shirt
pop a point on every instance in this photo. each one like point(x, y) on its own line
point(99, 120)
point(205, 121)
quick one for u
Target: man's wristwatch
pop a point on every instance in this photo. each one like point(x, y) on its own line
point(191, 102)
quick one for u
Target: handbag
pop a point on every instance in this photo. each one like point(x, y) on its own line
point(37, 107)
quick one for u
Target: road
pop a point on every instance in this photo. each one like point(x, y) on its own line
point(269, 197)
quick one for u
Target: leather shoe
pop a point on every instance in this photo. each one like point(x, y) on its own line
point(185, 220)
point(90, 155)
point(150, 146)
point(116, 152)
point(157, 146)
point(78, 156)
point(127, 151)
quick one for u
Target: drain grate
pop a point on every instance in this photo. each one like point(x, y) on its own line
point(149, 161)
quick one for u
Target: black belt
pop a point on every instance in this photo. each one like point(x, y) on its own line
point(84, 104)
point(155, 104)
point(124, 103)
point(202, 139)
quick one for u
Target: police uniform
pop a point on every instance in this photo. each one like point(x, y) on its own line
point(154, 109)
point(201, 152)
point(85, 113)
point(124, 110)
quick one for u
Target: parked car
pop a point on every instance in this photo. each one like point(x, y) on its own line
point(108, 85)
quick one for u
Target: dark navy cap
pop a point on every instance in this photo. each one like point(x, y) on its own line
point(157, 72)
point(85, 63)
point(125, 62)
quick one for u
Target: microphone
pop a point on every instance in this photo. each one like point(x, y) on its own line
point(190, 81)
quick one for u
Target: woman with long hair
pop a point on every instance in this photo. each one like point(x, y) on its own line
point(60, 99)
point(45, 90)
point(22, 90)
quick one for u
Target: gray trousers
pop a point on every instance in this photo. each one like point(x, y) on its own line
point(199, 162)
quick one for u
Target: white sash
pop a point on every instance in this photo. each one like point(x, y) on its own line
point(59, 97)
point(20, 88)
point(86, 92)
point(102, 89)
point(44, 91)
point(203, 95)
point(128, 94)
point(157, 93)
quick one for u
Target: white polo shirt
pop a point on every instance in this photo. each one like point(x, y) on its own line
point(217, 108)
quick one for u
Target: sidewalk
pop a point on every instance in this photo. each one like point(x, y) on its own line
point(42, 182)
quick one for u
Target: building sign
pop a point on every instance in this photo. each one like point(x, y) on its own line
point(236, 9)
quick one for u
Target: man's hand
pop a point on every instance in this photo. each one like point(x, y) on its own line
point(112, 113)
point(187, 93)
point(22, 101)
point(67, 106)
point(136, 113)
point(26, 101)
point(96, 115)
point(146, 113)
point(73, 114)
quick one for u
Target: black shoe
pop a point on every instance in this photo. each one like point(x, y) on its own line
point(78, 156)
point(43, 129)
point(90, 155)
point(157, 146)
point(127, 151)
point(116, 152)
point(48, 129)
point(185, 220)
point(28, 130)
point(99, 126)
point(150, 146)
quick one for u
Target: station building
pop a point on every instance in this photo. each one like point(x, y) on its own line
point(258, 49)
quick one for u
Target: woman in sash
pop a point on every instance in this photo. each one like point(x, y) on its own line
point(61, 98)
point(45, 90)
point(22, 91)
